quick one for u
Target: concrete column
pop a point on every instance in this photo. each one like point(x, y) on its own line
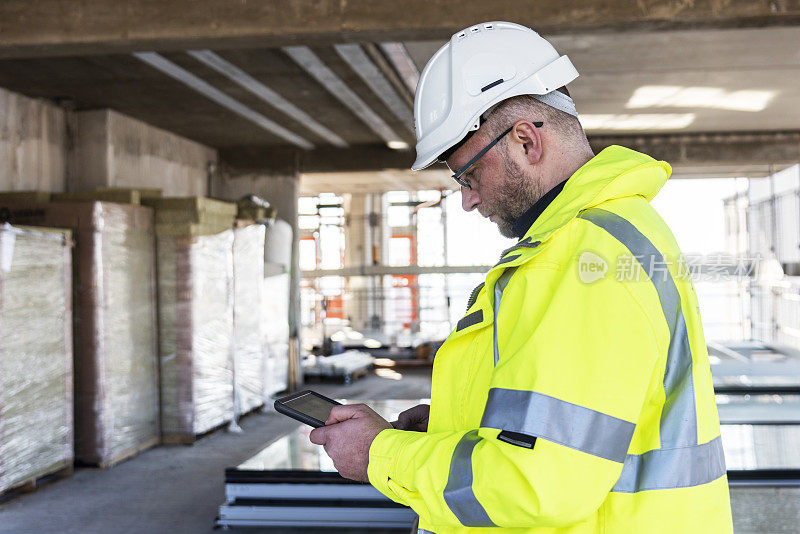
point(282, 192)
point(33, 144)
point(113, 150)
point(378, 238)
point(357, 253)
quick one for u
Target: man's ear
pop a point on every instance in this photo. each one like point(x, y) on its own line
point(527, 135)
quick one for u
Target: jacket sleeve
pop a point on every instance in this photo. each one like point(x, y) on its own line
point(575, 377)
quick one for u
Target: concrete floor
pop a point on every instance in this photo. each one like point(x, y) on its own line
point(175, 489)
point(178, 489)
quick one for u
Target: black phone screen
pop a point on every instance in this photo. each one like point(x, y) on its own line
point(312, 405)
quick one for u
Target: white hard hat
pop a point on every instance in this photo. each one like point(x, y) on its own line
point(478, 68)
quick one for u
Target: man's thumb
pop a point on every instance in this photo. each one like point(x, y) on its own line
point(318, 436)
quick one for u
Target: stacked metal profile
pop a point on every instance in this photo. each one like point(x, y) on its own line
point(195, 306)
point(250, 361)
point(292, 483)
point(35, 354)
point(116, 380)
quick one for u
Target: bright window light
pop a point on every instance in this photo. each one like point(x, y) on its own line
point(397, 145)
point(662, 96)
point(642, 121)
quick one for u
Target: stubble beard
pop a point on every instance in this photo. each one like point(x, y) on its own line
point(517, 193)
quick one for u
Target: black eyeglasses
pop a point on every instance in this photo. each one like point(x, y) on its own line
point(457, 176)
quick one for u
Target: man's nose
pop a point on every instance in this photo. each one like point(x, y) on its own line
point(469, 199)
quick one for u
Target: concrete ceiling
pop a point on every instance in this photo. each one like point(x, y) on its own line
point(716, 91)
point(729, 80)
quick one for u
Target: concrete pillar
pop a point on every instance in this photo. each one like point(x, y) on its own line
point(357, 253)
point(33, 144)
point(113, 150)
point(282, 192)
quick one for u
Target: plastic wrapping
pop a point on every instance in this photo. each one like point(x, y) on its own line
point(276, 330)
point(195, 285)
point(116, 379)
point(249, 341)
point(278, 250)
point(35, 354)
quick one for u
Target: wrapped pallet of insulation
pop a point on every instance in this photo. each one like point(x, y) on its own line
point(275, 313)
point(35, 354)
point(115, 366)
point(195, 308)
point(277, 263)
point(249, 341)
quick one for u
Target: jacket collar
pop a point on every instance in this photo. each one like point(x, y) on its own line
point(616, 172)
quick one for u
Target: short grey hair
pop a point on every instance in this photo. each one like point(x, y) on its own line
point(525, 107)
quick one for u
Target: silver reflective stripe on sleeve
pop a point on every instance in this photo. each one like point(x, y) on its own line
point(672, 468)
point(573, 426)
point(680, 458)
point(499, 287)
point(458, 492)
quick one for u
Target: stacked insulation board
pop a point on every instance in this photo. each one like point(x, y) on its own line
point(116, 381)
point(277, 262)
point(275, 321)
point(249, 336)
point(35, 354)
point(195, 307)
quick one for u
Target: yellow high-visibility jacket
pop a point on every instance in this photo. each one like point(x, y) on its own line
point(575, 395)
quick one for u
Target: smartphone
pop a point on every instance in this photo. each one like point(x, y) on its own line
point(307, 406)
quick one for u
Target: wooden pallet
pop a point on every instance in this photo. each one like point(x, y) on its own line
point(33, 483)
point(346, 377)
point(189, 439)
point(130, 453)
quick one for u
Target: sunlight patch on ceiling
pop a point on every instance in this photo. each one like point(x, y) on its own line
point(662, 96)
point(642, 121)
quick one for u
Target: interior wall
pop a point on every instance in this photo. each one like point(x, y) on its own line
point(33, 144)
point(111, 149)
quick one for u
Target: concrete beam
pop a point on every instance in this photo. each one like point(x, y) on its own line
point(723, 154)
point(321, 159)
point(86, 27)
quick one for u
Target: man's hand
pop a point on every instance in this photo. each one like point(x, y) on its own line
point(415, 419)
point(347, 436)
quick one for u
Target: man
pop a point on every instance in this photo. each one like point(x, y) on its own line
point(575, 395)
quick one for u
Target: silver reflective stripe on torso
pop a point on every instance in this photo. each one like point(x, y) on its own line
point(499, 287)
point(695, 464)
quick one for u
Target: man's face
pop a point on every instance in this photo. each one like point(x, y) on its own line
point(502, 189)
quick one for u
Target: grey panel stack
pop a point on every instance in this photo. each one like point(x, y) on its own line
point(292, 483)
point(35, 354)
